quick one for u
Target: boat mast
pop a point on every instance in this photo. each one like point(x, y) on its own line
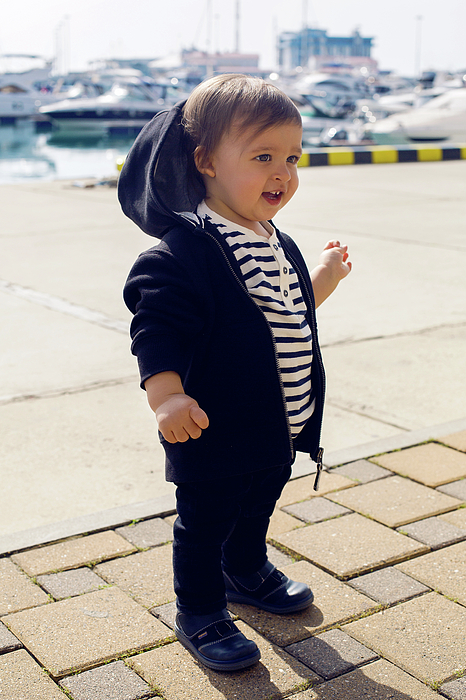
point(417, 69)
point(237, 22)
point(304, 48)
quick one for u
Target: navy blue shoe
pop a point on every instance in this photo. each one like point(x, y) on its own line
point(268, 589)
point(216, 641)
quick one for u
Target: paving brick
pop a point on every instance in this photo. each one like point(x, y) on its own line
point(277, 557)
point(21, 678)
point(70, 583)
point(175, 673)
point(302, 489)
point(331, 653)
point(282, 522)
point(8, 641)
point(456, 518)
point(395, 501)
point(146, 576)
point(334, 603)
point(72, 554)
point(86, 631)
point(166, 613)
point(444, 570)
point(424, 636)
point(457, 489)
point(456, 690)
point(378, 681)
point(351, 545)
point(115, 680)
point(431, 464)
point(362, 471)
point(316, 510)
point(456, 440)
point(388, 586)
point(434, 532)
point(149, 533)
point(17, 591)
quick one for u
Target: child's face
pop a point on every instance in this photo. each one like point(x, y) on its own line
point(250, 176)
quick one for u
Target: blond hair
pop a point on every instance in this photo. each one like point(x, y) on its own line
point(218, 103)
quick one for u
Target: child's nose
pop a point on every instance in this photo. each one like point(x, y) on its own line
point(283, 172)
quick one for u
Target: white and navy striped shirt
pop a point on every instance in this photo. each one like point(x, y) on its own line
point(273, 284)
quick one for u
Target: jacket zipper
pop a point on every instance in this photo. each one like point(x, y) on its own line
point(320, 452)
point(241, 284)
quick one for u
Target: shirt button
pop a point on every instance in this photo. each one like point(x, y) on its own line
point(285, 270)
point(275, 246)
point(285, 293)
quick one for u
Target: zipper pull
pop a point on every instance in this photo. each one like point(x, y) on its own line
point(318, 460)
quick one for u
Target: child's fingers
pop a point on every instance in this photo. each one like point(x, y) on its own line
point(199, 417)
point(182, 433)
point(175, 435)
point(190, 426)
point(198, 421)
point(172, 430)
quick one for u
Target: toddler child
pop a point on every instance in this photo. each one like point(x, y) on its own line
point(225, 334)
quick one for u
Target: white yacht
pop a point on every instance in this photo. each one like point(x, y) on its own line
point(442, 118)
point(19, 95)
point(333, 95)
point(128, 104)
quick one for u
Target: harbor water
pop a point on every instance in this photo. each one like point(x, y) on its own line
point(29, 154)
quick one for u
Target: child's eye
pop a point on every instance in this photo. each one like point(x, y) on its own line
point(293, 159)
point(264, 158)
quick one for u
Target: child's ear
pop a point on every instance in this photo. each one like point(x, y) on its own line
point(203, 162)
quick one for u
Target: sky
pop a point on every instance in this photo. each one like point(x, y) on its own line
point(407, 33)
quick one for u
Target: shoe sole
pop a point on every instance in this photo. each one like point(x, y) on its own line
point(236, 665)
point(235, 597)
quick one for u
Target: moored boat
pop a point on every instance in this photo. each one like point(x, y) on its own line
point(441, 119)
point(20, 96)
point(128, 104)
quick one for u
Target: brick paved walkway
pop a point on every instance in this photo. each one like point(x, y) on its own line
point(382, 544)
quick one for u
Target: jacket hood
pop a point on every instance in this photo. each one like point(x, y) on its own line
point(159, 184)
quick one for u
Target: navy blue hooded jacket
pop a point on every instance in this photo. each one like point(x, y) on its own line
point(193, 315)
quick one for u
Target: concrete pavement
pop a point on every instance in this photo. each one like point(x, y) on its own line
point(77, 437)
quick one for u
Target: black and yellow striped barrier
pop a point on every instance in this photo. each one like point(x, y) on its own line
point(380, 154)
point(361, 155)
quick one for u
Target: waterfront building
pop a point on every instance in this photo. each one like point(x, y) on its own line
point(312, 48)
point(192, 65)
point(216, 63)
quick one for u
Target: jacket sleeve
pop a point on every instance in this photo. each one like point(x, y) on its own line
point(162, 295)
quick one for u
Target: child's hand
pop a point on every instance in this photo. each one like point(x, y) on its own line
point(332, 268)
point(179, 418)
point(335, 258)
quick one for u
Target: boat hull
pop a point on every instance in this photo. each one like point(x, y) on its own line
point(95, 126)
point(441, 119)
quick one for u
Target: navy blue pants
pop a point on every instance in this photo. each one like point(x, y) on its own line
point(221, 524)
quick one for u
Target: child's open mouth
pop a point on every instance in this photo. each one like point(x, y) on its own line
point(273, 197)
